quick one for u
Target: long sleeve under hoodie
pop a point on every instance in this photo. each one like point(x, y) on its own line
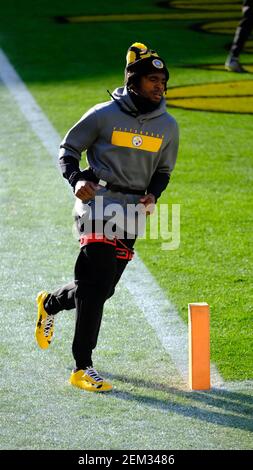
point(130, 150)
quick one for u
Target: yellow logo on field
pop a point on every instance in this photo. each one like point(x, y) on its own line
point(224, 97)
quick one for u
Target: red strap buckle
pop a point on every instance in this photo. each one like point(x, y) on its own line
point(124, 253)
point(96, 238)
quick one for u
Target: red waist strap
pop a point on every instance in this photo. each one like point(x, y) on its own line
point(122, 251)
point(96, 238)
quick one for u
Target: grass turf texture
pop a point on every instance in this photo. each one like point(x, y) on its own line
point(68, 68)
point(148, 408)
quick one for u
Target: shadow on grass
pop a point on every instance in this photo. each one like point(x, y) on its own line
point(235, 408)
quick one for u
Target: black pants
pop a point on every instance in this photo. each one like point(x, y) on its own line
point(244, 28)
point(97, 272)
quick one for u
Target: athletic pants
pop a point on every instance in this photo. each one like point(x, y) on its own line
point(244, 28)
point(97, 272)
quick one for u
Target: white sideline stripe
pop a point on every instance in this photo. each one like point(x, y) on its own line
point(149, 297)
point(29, 107)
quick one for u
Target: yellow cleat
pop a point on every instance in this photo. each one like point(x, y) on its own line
point(89, 380)
point(45, 323)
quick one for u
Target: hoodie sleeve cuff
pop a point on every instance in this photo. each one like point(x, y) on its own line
point(71, 171)
point(158, 184)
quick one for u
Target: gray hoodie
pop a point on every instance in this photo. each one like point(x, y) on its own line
point(124, 148)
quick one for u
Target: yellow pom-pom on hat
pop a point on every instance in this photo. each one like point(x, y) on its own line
point(138, 51)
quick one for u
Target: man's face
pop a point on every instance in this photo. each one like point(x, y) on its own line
point(152, 86)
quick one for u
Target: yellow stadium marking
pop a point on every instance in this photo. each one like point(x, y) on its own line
point(146, 17)
point(199, 10)
point(224, 27)
point(228, 97)
point(220, 67)
point(248, 47)
point(221, 27)
point(206, 5)
point(137, 141)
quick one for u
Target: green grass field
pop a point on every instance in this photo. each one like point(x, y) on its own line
point(68, 68)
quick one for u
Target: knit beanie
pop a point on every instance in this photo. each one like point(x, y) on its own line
point(142, 61)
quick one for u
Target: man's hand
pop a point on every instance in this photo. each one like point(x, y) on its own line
point(148, 202)
point(85, 190)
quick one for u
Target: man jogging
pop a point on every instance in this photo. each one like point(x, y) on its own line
point(132, 145)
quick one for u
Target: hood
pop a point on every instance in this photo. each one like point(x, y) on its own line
point(124, 101)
